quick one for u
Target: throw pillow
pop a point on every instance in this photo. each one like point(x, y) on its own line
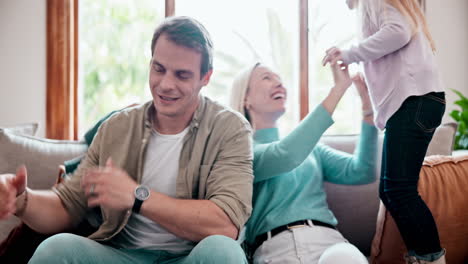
point(29, 129)
point(22, 241)
point(41, 156)
point(443, 140)
point(442, 185)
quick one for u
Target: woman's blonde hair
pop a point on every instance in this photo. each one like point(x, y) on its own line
point(371, 10)
point(239, 89)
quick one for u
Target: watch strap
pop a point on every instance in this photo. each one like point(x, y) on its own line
point(137, 206)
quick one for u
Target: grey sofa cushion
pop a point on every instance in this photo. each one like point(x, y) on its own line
point(443, 140)
point(41, 157)
point(356, 207)
point(29, 129)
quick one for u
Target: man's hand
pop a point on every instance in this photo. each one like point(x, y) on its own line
point(11, 186)
point(109, 187)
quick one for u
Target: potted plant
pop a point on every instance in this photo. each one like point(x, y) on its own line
point(461, 137)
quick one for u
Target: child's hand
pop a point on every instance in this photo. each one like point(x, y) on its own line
point(333, 56)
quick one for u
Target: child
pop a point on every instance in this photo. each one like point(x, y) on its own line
point(409, 101)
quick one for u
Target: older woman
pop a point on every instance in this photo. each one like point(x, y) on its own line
point(291, 221)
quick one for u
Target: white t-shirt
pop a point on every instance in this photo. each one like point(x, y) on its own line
point(160, 172)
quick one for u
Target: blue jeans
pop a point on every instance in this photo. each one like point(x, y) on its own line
point(69, 248)
point(407, 137)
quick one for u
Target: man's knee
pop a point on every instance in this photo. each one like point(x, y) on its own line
point(342, 253)
point(217, 249)
point(58, 247)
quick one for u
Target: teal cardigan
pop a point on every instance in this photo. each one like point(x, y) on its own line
point(289, 173)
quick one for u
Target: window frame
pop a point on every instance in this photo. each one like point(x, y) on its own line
point(62, 69)
point(62, 65)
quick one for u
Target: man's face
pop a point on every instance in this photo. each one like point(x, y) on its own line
point(175, 80)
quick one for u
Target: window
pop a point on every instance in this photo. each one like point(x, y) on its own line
point(331, 23)
point(250, 31)
point(114, 50)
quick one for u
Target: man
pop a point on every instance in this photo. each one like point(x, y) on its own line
point(172, 179)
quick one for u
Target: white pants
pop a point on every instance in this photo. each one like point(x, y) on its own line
point(309, 244)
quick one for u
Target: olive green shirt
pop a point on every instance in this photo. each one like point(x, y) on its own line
point(215, 162)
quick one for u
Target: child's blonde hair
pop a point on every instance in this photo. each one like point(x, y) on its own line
point(411, 9)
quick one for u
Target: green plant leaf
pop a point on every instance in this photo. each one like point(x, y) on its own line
point(455, 114)
point(462, 103)
point(461, 137)
point(462, 128)
point(463, 142)
point(464, 115)
point(460, 94)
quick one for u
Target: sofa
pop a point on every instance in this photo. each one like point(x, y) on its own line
point(356, 207)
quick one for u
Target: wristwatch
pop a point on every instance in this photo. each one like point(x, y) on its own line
point(142, 193)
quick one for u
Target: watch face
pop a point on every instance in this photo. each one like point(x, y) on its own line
point(142, 192)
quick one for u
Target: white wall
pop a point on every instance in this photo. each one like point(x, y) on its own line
point(23, 55)
point(448, 22)
point(23, 62)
